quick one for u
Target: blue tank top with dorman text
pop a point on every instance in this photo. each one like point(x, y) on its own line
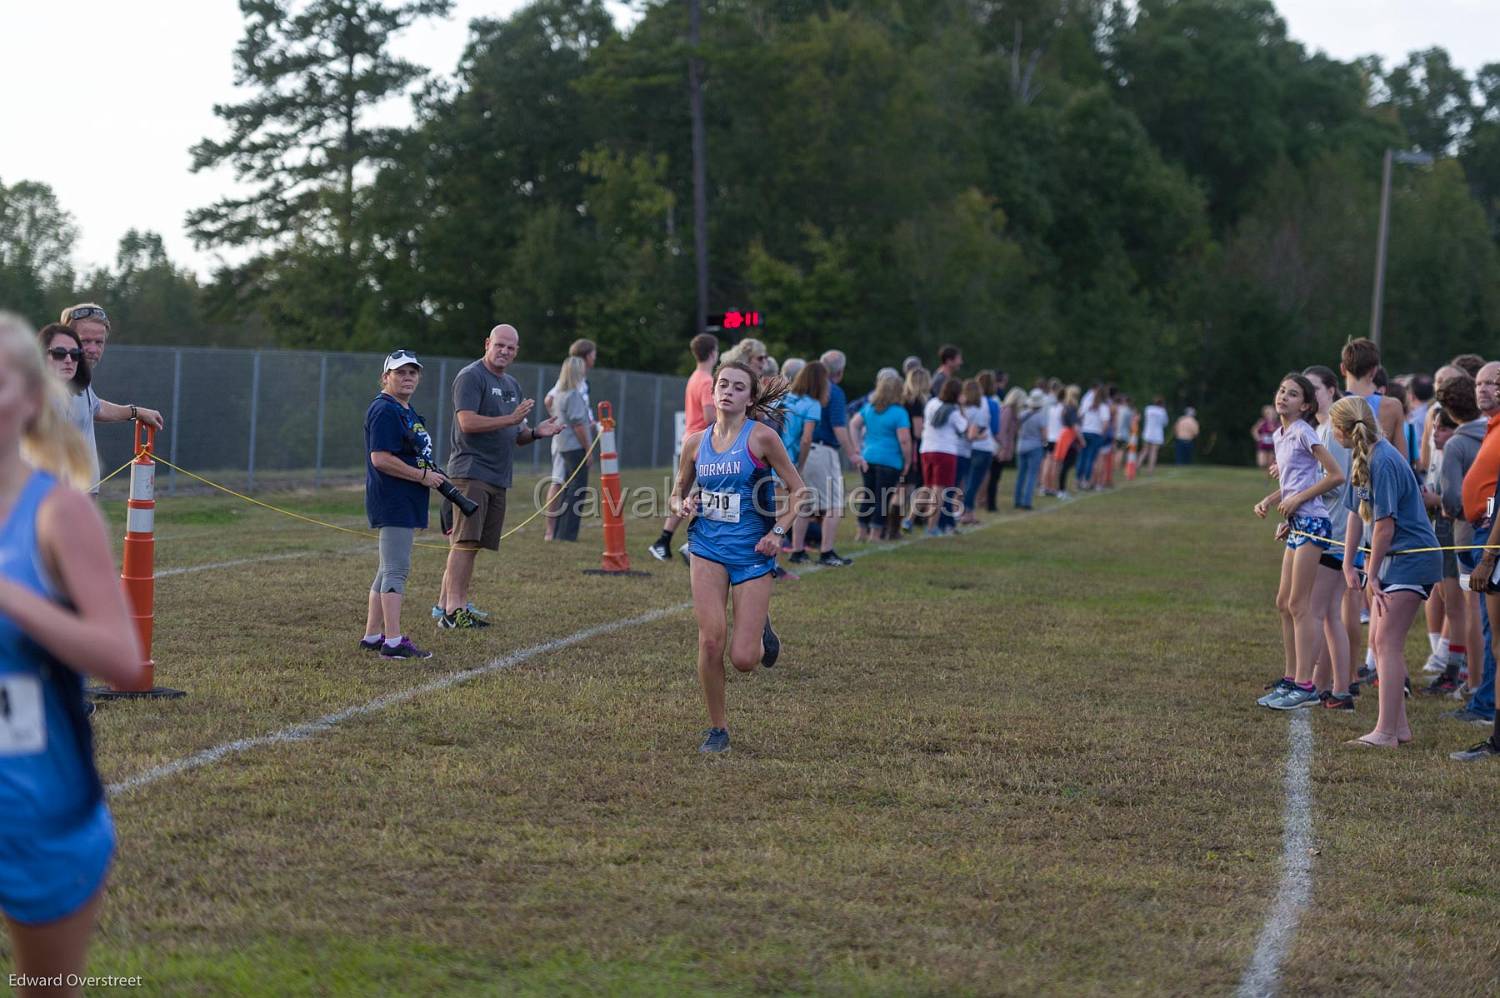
point(735, 501)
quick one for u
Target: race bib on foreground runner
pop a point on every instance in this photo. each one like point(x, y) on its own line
point(722, 507)
point(23, 725)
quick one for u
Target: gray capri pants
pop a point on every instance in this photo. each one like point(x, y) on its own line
point(395, 559)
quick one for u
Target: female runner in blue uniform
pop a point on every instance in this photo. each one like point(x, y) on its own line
point(61, 613)
point(735, 537)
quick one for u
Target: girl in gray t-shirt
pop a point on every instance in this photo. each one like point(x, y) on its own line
point(1383, 496)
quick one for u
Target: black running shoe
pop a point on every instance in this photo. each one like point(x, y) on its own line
point(831, 559)
point(1442, 685)
point(403, 649)
point(797, 558)
point(1484, 750)
point(461, 619)
point(659, 551)
point(771, 644)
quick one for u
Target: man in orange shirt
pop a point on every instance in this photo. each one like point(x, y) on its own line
point(1479, 488)
point(698, 406)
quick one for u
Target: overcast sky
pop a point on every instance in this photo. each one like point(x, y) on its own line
point(103, 98)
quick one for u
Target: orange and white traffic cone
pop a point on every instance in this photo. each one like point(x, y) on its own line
point(616, 561)
point(138, 573)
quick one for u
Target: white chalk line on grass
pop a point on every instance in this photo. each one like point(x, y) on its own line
point(1294, 888)
point(211, 566)
point(307, 729)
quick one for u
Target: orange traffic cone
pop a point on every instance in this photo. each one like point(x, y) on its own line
point(612, 505)
point(139, 571)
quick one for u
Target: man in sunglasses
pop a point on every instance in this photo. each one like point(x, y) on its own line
point(91, 323)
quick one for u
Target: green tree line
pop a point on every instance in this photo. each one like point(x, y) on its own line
point(1173, 195)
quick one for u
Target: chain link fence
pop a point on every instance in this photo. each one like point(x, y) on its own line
point(287, 419)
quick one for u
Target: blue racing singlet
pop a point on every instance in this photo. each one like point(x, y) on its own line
point(48, 783)
point(735, 501)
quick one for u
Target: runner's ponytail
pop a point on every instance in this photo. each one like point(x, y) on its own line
point(1352, 416)
point(766, 395)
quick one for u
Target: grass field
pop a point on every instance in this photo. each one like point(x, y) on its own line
point(1025, 760)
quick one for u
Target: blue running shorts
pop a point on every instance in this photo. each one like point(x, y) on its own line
point(1319, 526)
point(742, 573)
point(49, 876)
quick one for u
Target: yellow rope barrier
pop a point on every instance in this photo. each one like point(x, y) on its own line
point(349, 530)
point(1451, 547)
point(115, 472)
point(266, 505)
point(560, 489)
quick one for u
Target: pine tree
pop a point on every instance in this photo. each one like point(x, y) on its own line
point(301, 142)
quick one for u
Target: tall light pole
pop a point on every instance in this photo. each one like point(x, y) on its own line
point(700, 165)
point(1377, 306)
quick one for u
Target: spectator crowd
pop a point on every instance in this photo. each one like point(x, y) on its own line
point(1383, 497)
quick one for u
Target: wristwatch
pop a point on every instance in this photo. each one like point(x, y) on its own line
point(779, 530)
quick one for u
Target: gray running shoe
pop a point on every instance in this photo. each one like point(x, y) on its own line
point(1294, 698)
point(1277, 690)
point(1468, 716)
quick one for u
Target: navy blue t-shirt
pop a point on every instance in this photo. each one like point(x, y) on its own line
point(834, 415)
point(391, 501)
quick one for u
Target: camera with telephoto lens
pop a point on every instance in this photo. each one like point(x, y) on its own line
point(450, 492)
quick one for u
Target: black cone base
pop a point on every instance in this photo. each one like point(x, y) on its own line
point(154, 693)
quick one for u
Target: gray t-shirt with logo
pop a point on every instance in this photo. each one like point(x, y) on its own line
point(484, 457)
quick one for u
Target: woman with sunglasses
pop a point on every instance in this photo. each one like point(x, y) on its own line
point(62, 614)
point(64, 353)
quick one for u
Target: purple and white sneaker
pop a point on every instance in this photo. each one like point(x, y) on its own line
point(403, 649)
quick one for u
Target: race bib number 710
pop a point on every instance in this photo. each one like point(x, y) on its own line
point(723, 507)
point(23, 722)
